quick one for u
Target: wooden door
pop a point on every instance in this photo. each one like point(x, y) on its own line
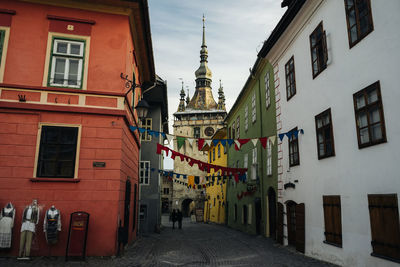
point(279, 224)
point(127, 206)
point(291, 222)
point(272, 213)
point(300, 227)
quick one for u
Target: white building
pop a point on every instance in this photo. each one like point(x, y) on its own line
point(348, 182)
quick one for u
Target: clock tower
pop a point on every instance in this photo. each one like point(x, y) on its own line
point(200, 118)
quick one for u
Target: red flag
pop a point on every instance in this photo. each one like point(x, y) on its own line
point(200, 143)
point(243, 141)
point(174, 154)
point(236, 178)
point(159, 148)
point(263, 141)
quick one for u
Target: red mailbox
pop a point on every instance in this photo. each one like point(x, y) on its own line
point(77, 235)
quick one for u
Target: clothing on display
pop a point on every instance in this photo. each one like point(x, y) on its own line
point(30, 218)
point(7, 216)
point(52, 225)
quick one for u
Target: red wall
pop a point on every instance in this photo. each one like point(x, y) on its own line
point(100, 191)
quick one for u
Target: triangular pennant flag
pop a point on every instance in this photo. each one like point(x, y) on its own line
point(133, 128)
point(181, 141)
point(230, 141)
point(141, 130)
point(208, 142)
point(254, 141)
point(200, 143)
point(170, 138)
point(237, 145)
point(215, 141)
point(281, 136)
point(223, 142)
point(296, 133)
point(272, 139)
point(190, 140)
point(263, 141)
point(243, 141)
point(289, 134)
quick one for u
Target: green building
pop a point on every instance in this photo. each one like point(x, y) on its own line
point(251, 205)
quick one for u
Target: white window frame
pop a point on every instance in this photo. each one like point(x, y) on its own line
point(267, 90)
point(148, 126)
point(253, 108)
point(245, 160)
point(254, 164)
point(68, 57)
point(238, 127)
point(246, 118)
point(143, 173)
point(269, 158)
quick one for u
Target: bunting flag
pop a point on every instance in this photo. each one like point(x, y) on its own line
point(190, 140)
point(254, 141)
point(272, 139)
point(180, 141)
point(200, 144)
point(170, 138)
point(208, 142)
point(237, 145)
point(263, 141)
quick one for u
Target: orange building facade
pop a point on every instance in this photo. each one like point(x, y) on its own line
point(65, 115)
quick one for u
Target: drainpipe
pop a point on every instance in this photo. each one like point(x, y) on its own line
point(263, 213)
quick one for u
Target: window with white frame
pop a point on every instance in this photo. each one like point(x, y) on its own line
point(144, 172)
point(245, 160)
point(267, 91)
point(66, 63)
point(146, 124)
point(233, 130)
point(254, 164)
point(238, 127)
point(246, 118)
point(269, 157)
point(253, 108)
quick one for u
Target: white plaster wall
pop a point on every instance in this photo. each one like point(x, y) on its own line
point(353, 173)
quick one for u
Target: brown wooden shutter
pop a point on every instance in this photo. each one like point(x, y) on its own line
point(333, 219)
point(279, 224)
point(385, 228)
point(300, 227)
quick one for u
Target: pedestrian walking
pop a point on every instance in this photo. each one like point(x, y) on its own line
point(174, 218)
point(179, 217)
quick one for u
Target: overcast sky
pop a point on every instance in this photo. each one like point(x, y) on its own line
point(235, 32)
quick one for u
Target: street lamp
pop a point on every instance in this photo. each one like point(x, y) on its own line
point(142, 108)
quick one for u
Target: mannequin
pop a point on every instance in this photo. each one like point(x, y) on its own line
point(52, 225)
point(30, 218)
point(7, 216)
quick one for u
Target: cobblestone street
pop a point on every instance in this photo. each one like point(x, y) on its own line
point(197, 244)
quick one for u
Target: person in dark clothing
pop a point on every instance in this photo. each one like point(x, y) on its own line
point(174, 218)
point(179, 218)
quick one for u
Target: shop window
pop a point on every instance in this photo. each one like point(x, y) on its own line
point(267, 91)
point(146, 124)
point(290, 79)
point(385, 228)
point(359, 20)
point(370, 121)
point(319, 50)
point(144, 172)
point(333, 220)
point(294, 157)
point(66, 67)
point(324, 129)
point(57, 152)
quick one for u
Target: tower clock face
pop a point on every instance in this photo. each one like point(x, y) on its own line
point(209, 131)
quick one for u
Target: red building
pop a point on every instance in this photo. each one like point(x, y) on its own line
point(65, 115)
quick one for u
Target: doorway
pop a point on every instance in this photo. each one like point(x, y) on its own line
point(272, 212)
point(127, 205)
point(257, 205)
point(186, 207)
point(291, 222)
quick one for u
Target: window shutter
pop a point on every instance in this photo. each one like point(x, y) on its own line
point(325, 47)
point(249, 214)
point(333, 219)
point(300, 227)
point(279, 224)
point(385, 228)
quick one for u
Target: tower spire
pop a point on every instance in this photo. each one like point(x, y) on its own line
point(221, 97)
point(181, 106)
point(187, 98)
point(203, 44)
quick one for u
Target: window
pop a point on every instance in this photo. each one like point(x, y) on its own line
point(267, 91)
point(238, 127)
point(2, 37)
point(144, 172)
point(319, 52)
point(219, 150)
point(269, 157)
point(254, 165)
point(290, 79)
point(324, 129)
point(146, 124)
point(359, 20)
point(370, 121)
point(213, 153)
point(294, 149)
point(225, 148)
point(57, 152)
point(66, 63)
point(214, 201)
point(333, 220)
point(166, 191)
point(233, 130)
point(253, 108)
point(244, 214)
point(246, 118)
point(249, 215)
point(210, 157)
point(196, 132)
point(245, 160)
point(385, 229)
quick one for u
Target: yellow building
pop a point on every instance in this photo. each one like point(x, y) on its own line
point(214, 206)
